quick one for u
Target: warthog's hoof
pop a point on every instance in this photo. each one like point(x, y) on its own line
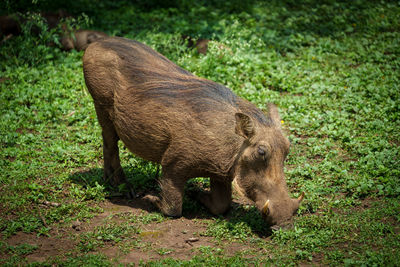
point(154, 200)
point(168, 210)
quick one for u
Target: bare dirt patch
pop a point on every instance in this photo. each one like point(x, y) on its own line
point(178, 238)
point(46, 246)
point(175, 238)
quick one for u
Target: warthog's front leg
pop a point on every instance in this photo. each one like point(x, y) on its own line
point(170, 200)
point(218, 201)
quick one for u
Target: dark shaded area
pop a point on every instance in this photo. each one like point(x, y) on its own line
point(140, 178)
point(201, 18)
point(92, 7)
point(281, 25)
point(146, 183)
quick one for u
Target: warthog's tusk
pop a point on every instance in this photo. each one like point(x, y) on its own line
point(300, 198)
point(265, 209)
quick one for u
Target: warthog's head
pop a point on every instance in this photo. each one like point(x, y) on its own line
point(259, 168)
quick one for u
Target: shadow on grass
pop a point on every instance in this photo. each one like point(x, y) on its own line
point(93, 7)
point(191, 209)
point(290, 25)
point(203, 17)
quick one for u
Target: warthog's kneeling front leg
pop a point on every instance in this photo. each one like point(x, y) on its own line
point(170, 200)
point(218, 201)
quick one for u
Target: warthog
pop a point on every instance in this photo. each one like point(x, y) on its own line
point(192, 126)
point(80, 39)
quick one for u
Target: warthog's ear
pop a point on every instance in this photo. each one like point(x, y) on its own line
point(273, 113)
point(244, 125)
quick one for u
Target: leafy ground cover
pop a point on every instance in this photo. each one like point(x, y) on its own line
point(332, 67)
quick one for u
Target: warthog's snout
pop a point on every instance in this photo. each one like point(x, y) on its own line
point(277, 214)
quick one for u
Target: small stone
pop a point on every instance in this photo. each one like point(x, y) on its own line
point(192, 239)
point(76, 225)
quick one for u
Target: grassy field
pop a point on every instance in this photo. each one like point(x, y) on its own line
point(333, 69)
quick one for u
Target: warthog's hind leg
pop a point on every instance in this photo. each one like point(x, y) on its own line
point(112, 167)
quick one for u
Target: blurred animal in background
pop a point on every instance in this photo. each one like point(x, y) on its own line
point(10, 25)
point(200, 44)
point(80, 39)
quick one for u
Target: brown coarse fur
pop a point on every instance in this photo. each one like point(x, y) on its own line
point(80, 39)
point(193, 127)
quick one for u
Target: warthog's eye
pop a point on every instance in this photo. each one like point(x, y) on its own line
point(261, 151)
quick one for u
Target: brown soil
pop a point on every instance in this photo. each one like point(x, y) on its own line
point(47, 246)
point(177, 238)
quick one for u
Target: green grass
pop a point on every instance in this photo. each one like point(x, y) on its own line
point(106, 233)
point(332, 67)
